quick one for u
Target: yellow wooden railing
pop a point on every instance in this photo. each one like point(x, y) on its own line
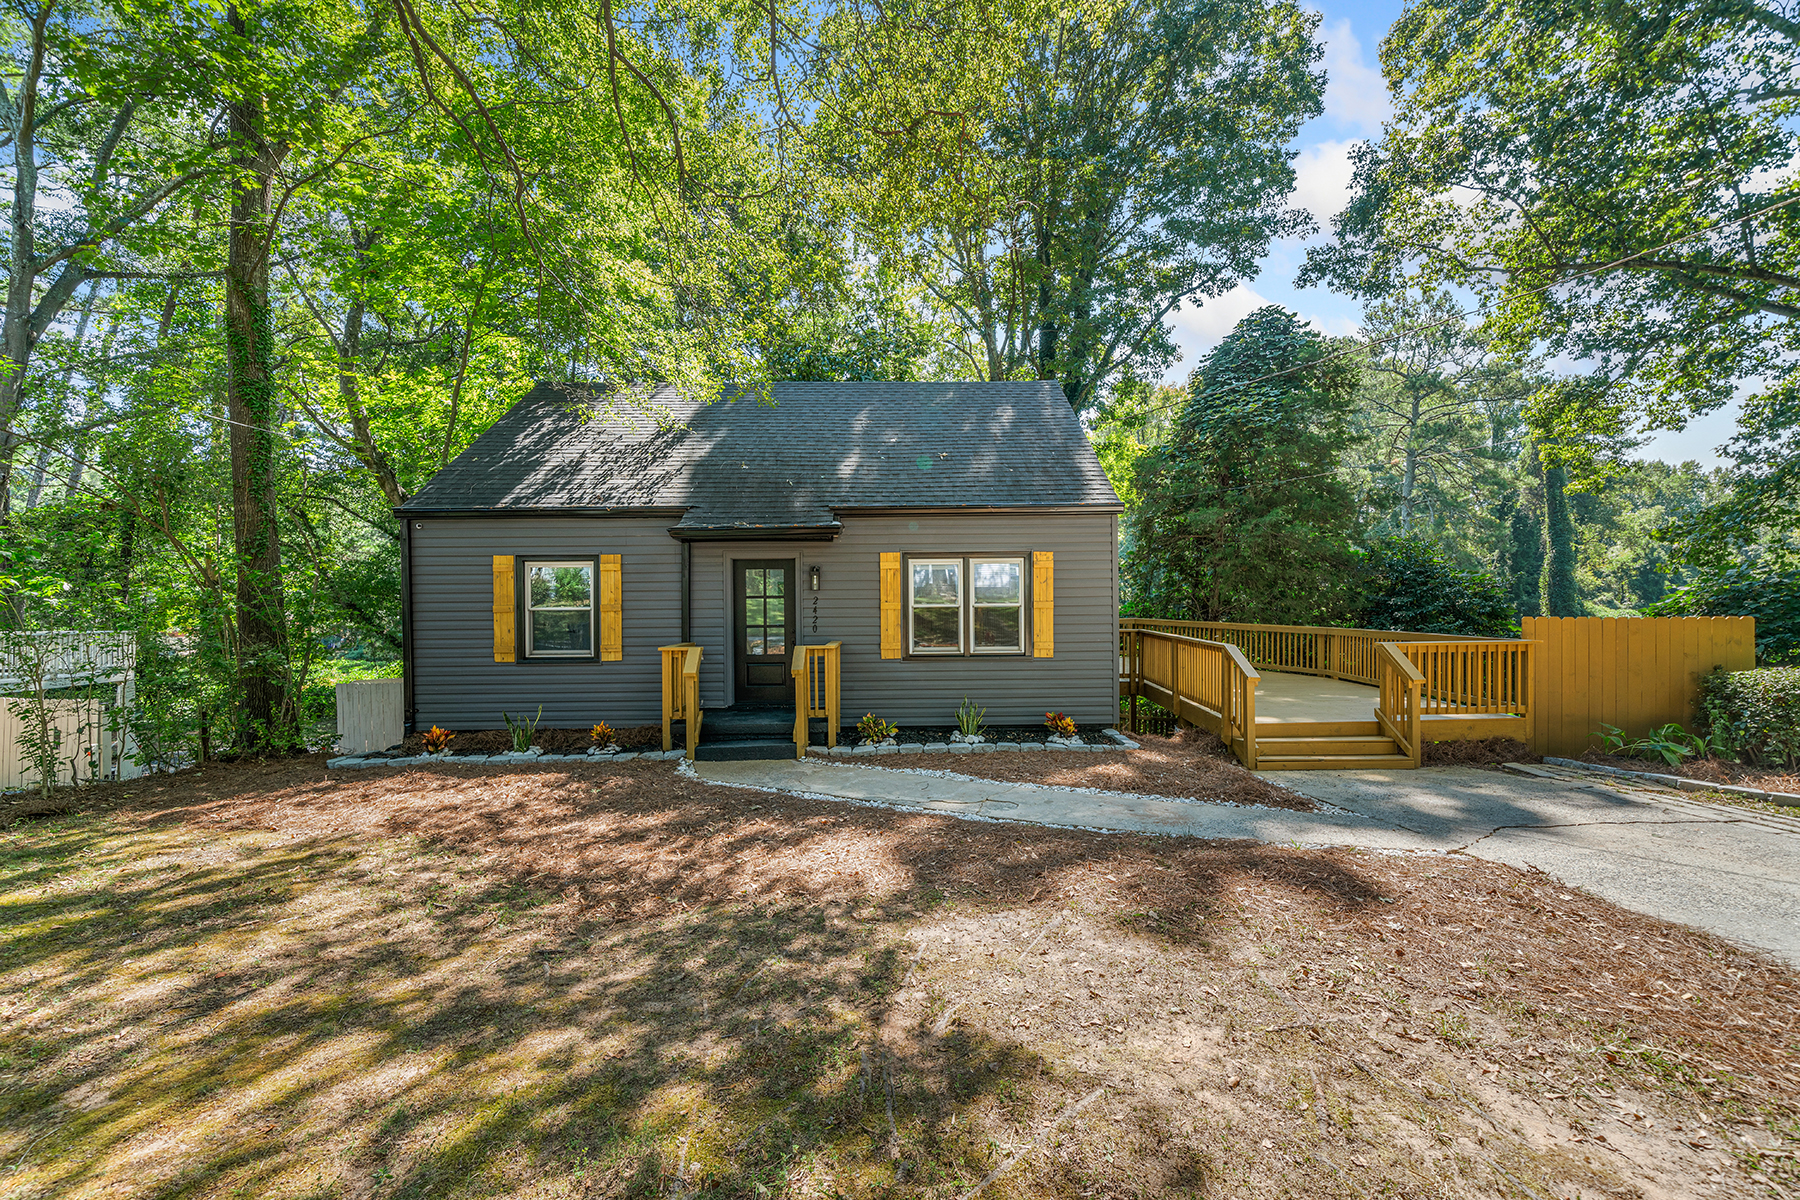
point(681, 692)
point(1349, 654)
point(1397, 709)
point(1462, 675)
point(1206, 683)
point(1472, 676)
point(815, 692)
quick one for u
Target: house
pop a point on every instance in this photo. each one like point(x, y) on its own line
point(957, 539)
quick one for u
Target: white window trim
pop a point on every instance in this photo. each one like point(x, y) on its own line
point(961, 605)
point(974, 604)
point(592, 569)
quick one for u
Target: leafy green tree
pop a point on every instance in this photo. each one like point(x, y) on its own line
point(1614, 179)
point(1134, 159)
point(1412, 584)
point(1561, 596)
point(1245, 515)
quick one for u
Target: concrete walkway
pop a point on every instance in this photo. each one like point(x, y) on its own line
point(1731, 871)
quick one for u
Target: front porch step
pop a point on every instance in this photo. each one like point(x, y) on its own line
point(1328, 762)
point(742, 724)
point(1285, 747)
point(744, 750)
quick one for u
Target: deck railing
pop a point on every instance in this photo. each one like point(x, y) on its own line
point(681, 692)
point(1397, 709)
point(1462, 675)
point(1206, 683)
point(815, 693)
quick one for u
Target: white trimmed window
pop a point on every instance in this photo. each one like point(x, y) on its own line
point(559, 609)
point(997, 605)
point(934, 600)
point(965, 605)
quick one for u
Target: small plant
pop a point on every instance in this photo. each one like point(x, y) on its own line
point(1060, 725)
point(603, 735)
point(873, 729)
point(436, 740)
point(1670, 742)
point(522, 731)
point(968, 718)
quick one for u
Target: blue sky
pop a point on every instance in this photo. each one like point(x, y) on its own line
point(1356, 103)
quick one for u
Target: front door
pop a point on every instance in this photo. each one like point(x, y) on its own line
point(764, 592)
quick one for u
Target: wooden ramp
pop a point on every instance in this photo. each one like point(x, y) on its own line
point(1306, 723)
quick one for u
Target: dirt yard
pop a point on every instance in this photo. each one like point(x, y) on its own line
point(609, 981)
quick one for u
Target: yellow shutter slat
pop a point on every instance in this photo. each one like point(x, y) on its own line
point(612, 634)
point(1043, 604)
point(505, 634)
point(890, 606)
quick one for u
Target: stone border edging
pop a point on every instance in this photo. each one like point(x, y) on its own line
point(1683, 783)
point(356, 761)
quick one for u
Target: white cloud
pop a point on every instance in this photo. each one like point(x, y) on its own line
point(1356, 96)
point(1204, 326)
point(1322, 180)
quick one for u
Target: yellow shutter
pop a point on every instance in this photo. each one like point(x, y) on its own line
point(890, 606)
point(612, 644)
point(1043, 604)
point(505, 606)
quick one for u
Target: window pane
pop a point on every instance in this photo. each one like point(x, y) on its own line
point(776, 611)
point(753, 643)
point(997, 629)
point(777, 641)
point(937, 583)
point(561, 587)
point(776, 582)
point(935, 629)
point(998, 582)
point(753, 611)
point(753, 582)
point(560, 629)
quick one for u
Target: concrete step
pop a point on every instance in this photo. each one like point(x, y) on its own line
point(744, 749)
point(1329, 762)
point(1288, 746)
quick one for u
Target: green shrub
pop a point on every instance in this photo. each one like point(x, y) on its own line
point(1754, 715)
point(1411, 584)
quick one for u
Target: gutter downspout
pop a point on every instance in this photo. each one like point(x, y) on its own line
point(687, 591)
point(406, 629)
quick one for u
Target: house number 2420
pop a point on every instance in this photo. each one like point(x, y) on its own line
point(815, 627)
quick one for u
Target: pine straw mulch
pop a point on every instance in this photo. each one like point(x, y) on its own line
point(1486, 753)
point(1708, 770)
point(1190, 767)
point(617, 980)
point(551, 741)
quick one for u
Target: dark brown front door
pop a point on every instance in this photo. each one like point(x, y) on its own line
point(764, 593)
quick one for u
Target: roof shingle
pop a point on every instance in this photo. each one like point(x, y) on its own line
point(786, 461)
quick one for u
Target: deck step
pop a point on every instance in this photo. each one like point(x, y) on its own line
point(1309, 729)
point(1313, 746)
point(1328, 762)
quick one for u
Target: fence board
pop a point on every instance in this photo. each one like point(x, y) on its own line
point(1633, 672)
point(370, 714)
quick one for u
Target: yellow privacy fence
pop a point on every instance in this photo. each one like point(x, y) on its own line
point(1633, 672)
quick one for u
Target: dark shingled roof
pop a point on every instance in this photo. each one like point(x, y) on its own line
point(746, 464)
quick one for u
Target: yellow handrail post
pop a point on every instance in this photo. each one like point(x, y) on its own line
point(690, 698)
point(676, 702)
point(816, 692)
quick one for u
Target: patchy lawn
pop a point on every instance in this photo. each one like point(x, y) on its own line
point(1708, 770)
point(599, 981)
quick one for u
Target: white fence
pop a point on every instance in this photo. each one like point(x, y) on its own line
point(87, 748)
point(370, 715)
point(62, 658)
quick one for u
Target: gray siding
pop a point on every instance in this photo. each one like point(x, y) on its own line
point(1080, 680)
point(457, 683)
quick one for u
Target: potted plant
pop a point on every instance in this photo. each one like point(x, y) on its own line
point(968, 723)
point(437, 742)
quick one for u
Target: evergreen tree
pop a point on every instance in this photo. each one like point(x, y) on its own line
point(1561, 597)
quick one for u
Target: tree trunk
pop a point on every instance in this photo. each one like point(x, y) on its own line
point(250, 407)
point(15, 334)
